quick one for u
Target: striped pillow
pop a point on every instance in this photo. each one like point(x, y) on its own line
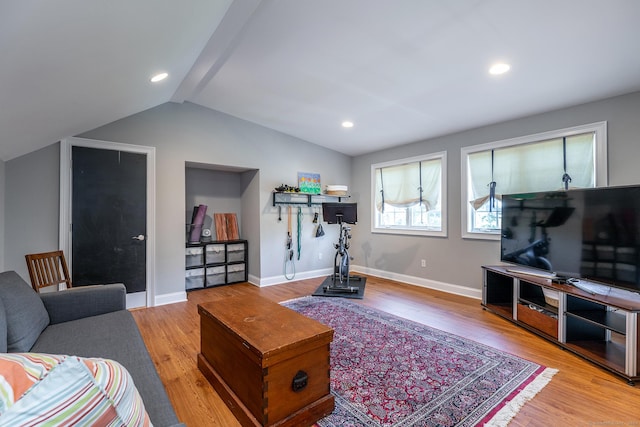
point(67, 390)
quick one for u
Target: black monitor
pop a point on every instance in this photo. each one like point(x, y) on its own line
point(336, 213)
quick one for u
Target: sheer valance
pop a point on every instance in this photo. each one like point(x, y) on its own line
point(538, 166)
point(409, 184)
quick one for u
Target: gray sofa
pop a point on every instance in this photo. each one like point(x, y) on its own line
point(84, 321)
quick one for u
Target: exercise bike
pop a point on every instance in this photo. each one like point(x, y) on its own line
point(341, 279)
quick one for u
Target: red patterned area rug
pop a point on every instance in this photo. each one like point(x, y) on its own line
point(389, 371)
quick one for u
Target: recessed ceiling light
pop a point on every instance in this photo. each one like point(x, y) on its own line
point(499, 68)
point(159, 77)
point(347, 124)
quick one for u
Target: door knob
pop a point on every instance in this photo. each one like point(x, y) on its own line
point(138, 237)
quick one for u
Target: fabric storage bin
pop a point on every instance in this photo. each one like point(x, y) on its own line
point(551, 297)
point(215, 276)
point(235, 273)
point(214, 254)
point(194, 256)
point(235, 252)
point(194, 278)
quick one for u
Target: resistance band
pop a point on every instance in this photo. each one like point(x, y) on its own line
point(289, 266)
point(299, 232)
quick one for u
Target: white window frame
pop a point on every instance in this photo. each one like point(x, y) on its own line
point(413, 231)
point(600, 155)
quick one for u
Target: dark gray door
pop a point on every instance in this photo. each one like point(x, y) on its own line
point(109, 212)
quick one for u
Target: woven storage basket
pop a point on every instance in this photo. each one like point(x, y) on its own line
point(551, 297)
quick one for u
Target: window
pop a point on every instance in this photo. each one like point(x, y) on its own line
point(409, 196)
point(566, 158)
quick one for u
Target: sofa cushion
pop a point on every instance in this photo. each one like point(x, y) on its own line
point(25, 313)
point(3, 329)
point(67, 390)
point(84, 301)
point(114, 336)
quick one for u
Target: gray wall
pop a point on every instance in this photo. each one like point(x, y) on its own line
point(457, 261)
point(250, 184)
point(187, 133)
point(183, 134)
point(31, 206)
point(2, 204)
point(220, 191)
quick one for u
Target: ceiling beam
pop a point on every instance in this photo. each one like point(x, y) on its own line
point(222, 43)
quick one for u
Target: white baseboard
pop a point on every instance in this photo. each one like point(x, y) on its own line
point(419, 281)
point(254, 280)
point(136, 300)
point(278, 280)
point(170, 298)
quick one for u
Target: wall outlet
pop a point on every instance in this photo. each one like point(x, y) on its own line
point(319, 255)
point(423, 263)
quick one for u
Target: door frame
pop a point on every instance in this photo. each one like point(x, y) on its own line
point(66, 201)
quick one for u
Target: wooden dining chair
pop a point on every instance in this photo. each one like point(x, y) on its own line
point(48, 269)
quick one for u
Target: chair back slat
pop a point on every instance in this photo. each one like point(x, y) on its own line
point(48, 269)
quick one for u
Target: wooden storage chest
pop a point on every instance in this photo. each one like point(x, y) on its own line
point(268, 363)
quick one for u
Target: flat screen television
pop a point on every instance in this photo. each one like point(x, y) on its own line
point(589, 234)
point(335, 213)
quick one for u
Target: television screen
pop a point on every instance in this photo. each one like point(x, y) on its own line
point(588, 233)
point(335, 213)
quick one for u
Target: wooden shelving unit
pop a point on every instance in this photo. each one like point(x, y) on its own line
point(601, 328)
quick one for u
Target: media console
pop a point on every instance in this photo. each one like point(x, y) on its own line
point(600, 326)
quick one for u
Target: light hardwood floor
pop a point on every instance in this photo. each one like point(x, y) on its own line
point(580, 394)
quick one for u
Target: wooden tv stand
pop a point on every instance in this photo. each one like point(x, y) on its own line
point(600, 324)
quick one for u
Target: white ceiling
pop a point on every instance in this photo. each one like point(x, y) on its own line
point(403, 71)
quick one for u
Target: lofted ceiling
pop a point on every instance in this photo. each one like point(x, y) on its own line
point(401, 71)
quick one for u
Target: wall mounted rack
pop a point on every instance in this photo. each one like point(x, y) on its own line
point(289, 198)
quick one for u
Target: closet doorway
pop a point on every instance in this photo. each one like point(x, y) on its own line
point(109, 236)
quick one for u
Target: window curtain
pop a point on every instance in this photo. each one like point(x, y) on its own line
point(401, 184)
point(532, 167)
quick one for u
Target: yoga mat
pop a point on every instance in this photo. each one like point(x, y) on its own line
point(196, 227)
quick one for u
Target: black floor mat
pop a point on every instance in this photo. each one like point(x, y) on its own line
point(354, 291)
